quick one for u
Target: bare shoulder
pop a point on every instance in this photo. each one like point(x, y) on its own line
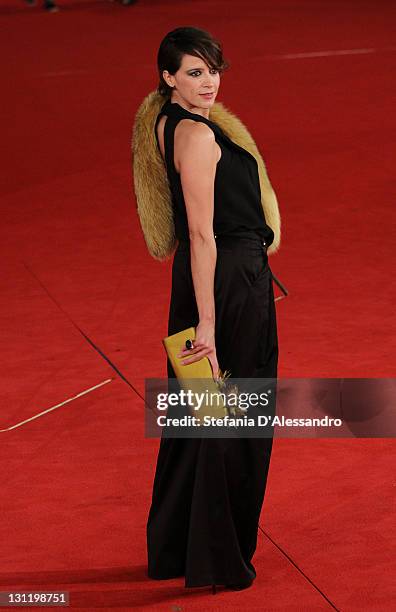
point(191, 131)
point(196, 140)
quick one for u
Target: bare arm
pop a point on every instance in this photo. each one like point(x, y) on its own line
point(198, 158)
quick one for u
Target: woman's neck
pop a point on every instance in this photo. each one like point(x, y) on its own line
point(204, 112)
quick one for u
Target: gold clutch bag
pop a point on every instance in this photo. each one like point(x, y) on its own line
point(197, 377)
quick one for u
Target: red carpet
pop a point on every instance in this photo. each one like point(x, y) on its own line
point(84, 306)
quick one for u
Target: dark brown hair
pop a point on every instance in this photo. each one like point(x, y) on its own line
point(191, 41)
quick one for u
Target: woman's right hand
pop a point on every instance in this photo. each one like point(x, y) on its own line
point(204, 346)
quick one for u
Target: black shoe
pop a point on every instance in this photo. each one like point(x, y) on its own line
point(50, 6)
point(241, 586)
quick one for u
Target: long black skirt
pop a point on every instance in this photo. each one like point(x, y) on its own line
point(208, 492)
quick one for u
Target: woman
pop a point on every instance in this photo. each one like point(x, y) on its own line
point(208, 492)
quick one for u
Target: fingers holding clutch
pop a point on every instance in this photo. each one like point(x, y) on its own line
point(198, 352)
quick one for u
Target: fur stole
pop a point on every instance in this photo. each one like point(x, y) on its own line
point(152, 191)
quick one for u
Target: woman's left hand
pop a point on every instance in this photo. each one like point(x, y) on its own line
point(203, 346)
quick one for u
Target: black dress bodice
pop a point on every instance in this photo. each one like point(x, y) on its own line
point(237, 196)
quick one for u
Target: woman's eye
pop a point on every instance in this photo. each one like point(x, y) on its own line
point(198, 72)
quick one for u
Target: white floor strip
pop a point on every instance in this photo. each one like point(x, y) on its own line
point(326, 53)
point(70, 399)
point(329, 53)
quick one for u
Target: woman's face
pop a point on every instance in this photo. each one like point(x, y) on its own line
point(192, 81)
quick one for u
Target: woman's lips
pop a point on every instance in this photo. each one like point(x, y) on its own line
point(208, 95)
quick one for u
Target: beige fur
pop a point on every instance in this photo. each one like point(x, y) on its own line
point(153, 196)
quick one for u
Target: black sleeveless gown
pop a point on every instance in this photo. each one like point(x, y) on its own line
point(208, 492)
